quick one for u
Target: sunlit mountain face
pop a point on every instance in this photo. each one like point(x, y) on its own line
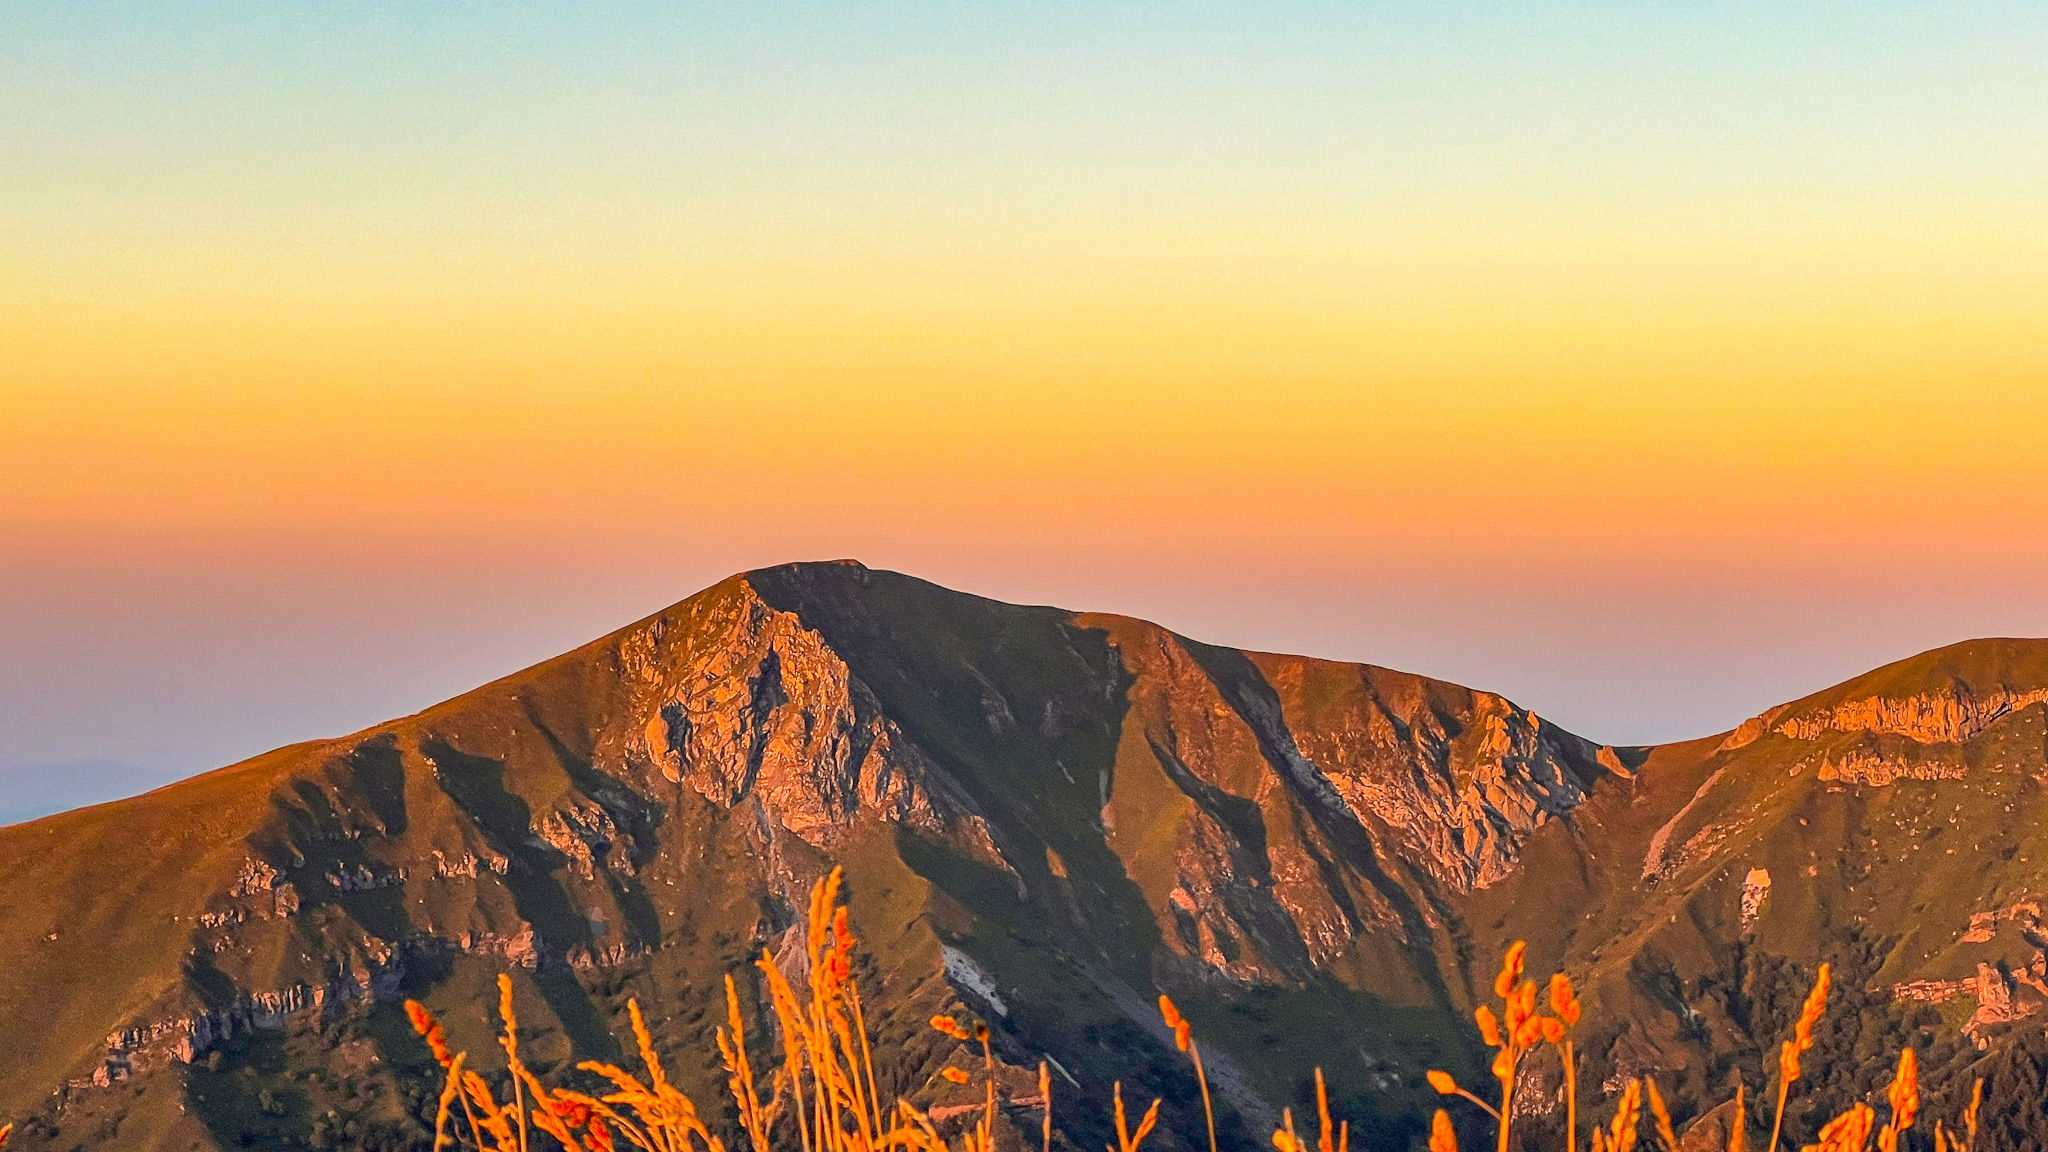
point(1048, 818)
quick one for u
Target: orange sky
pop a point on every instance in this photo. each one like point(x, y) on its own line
point(1772, 405)
point(1648, 368)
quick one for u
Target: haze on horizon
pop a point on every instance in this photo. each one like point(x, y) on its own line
point(1649, 366)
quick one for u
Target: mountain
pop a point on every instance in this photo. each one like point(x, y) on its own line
point(1047, 818)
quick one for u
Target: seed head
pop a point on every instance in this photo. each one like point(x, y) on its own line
point(1489, 1028)
point(1904, 1094)
point(1621, 1134)
point(424, 1023)
point(1510, 970)
point(1809, 1015)
point(1441, 1138)
point(574, 1111)
point(1849, 1132)
point(1563, 1001)
point(1521, 1008)
point(1660, 1113)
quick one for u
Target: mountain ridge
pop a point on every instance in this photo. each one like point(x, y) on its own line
point(1047, 815)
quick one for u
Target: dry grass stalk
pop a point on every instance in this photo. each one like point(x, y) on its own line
point(1904, 1098)
point(1328, 1139)
point(1284, 1138)
point(1184, 1039)
point(1126, 1140)
point(1802, 1040)
point(827, 1081)
point(1620, 1134)
point(757, 1118)
point(1518, 1029)
point(1323, 1142)
point(827, 1053)
point(1949, 1141)
point(1738, 1125)
point(1658, 1112)
point(1565, 1004)
point(1045, 1100)
point(983, 1136)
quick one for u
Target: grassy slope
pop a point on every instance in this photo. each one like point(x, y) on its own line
point(1879, 880)
point(100, 903)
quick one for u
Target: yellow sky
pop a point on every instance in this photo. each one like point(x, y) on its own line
point(1606, 383)
point(1651, 364)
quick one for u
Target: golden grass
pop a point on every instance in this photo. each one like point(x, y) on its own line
point(1521, 1028)
point(824, 1098)
point(824, 1094)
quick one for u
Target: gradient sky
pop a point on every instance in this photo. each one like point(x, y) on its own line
point(1650, 363)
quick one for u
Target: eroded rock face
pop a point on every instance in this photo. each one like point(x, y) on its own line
point(1460, 777)
point(2003, 995)
point(1950, 716)
point(1320, 803)
point(1876, 768)
point(749, 703)
point(1878, 739)
point(1752, 729)
point(1756, 888)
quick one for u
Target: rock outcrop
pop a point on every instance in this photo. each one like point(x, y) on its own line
point(1948, 716)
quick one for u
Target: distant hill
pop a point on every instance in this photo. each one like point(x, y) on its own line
point(1048, 818)
point(31, 790)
